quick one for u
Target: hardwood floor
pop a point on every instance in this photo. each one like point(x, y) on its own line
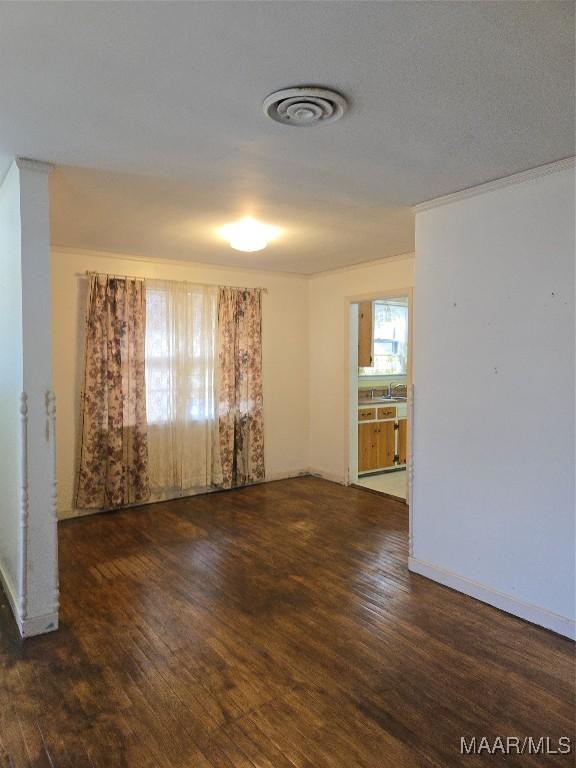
point(270, 627)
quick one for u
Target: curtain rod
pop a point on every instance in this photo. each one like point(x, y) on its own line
point(89, 273)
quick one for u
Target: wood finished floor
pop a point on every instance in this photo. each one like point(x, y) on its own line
point(271, 627)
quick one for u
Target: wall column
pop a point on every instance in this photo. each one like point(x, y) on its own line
point(28, 534)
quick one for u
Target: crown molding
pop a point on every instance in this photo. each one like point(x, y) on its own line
point(70, 250)
point(490, 186)
point(404, 256)
point(67, 250)
point(39, 166)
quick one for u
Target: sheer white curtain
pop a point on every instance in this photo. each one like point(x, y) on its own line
point(181, 387)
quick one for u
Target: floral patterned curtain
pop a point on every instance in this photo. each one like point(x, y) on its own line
point(240, 417)
point(113, 467)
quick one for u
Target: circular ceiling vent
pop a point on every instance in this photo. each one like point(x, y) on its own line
point(305, 106)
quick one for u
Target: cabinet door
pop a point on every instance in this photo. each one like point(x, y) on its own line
point(365, 334)
point(402, 437)
point(367, 447)
point(385, 443)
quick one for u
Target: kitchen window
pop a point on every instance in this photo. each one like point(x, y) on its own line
point(390, 339)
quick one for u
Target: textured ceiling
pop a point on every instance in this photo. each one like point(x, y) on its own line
point(152, 112)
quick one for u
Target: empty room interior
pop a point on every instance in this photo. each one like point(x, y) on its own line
point(287, 376)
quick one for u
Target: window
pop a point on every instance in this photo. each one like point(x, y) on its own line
point(180, 353)
point(390, 338)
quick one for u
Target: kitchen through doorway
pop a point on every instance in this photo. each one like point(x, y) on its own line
point(380, 376)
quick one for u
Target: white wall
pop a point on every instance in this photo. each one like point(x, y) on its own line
point(285, 352)
point(329, 295)
point(28, 547)
point(11, 383)
point(493, 495)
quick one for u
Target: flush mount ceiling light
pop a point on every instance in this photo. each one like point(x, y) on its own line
point(304, 106)
point(248, 234)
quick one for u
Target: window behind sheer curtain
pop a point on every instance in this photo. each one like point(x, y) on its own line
point(181, 393)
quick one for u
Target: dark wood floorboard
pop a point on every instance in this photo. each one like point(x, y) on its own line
point(275, 626)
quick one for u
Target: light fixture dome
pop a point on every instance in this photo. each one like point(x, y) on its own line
point(248, 234)
point(305, 106)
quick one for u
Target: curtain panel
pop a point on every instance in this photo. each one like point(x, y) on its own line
point(181, 387)
point(240, 402)
point(113, 467)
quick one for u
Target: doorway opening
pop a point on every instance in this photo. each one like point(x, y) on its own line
point(379, 393)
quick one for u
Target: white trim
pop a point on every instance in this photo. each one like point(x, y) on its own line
point(70, 514)
point(10, 592)
point(352, 382)
point(490, 186)
point(39, 625)
point(508, 603)
point(272, 477)
point(28, 626)
point(332, 478)
point(403, 256)
point(28, 164)
point(68, 250)
point(24, 506)
point(410, 462)
point(352, 379)
point(50, 403)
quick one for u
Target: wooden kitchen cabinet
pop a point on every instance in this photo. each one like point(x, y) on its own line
point(402, 440)
point(367, 446)
point(365, 334)
point(385, 443)
point(366, 414)
point(375, 445)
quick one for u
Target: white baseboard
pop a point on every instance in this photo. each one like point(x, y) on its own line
point(10, 592)
point(532, 613)
point(327, 476)
point(67, 514)
point(271, 477)
point(32, 625)
point(38, 625)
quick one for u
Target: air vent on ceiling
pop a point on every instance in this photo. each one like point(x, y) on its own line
point(305, 106)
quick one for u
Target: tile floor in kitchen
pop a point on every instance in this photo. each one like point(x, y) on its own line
point(393, 483)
